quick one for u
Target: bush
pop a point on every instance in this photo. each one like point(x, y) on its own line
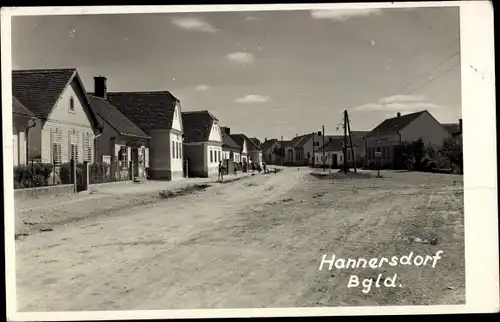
point(32, 175)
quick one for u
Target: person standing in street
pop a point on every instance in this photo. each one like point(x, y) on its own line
point(221, 173)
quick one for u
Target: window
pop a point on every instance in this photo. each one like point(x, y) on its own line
point(218, 153)
point(211, 156)
point(173, 149)
point(180, 150)
point(73, 146)
point(56, 146)
point(71, 105)
point(177, 150)
point(87, 147)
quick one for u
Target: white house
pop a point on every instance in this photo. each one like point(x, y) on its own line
point(202, 143)
point(66, 123)
point(333, 156)
point(402, 129)
point(158, 114)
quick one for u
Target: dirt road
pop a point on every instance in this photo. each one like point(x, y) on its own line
point(253, 243)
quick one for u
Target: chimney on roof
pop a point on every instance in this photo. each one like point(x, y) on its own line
point(319, 133)
point(265, 139)
point(227, 130)
point(100, 88)
point(399, 114)
point(460, 125)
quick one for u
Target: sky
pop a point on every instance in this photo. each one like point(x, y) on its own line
point(265, 74)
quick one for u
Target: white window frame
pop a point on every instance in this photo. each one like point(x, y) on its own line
point(56, 146)
point(73, 145)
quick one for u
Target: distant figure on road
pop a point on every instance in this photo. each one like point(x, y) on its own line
point(221, 169)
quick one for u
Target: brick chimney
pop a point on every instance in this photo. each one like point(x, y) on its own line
point(399, 114)
point(460, 125)
point(100, 88)
point(226, 130)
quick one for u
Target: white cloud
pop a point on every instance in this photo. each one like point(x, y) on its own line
point(399, 103)
point(202, 87)
point(195, 24)
point(250, 99)
point(402, 98)
point(343, 14)
point(251, 18)
point(241, 57)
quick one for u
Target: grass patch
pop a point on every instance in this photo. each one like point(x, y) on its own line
point(167, 194)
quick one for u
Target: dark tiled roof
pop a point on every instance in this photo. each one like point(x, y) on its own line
point(39, 89)
point(239, 138)
point(268, 144)
point(453, 128)
point(333, 145)
point(111, 115)
point(197, 125)
point(256, 142)
point(148, 110)
point(285, 144)
point(395, 124)
point(228, 142)
point(19, 109)
point(299, 141)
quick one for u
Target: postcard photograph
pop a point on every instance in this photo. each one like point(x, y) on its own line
point(237, 159)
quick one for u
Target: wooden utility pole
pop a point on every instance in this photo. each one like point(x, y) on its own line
point(323, 136)
point(350, 140)
point(345, 142)
point(314, 148)
point(282, 150)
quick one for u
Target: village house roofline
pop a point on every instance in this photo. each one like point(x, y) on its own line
point(268, 144)
point(19, 109)
point(39, 90)
point(112, 116)
point(238, 138)
point(198, 125)
point(148, 110)
point(395, 124)
point(228, 142)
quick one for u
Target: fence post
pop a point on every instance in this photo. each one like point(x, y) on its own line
point(86, 175)
point(74, 180)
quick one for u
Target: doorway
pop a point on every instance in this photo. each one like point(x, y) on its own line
point(135, 162)
point(335, 161)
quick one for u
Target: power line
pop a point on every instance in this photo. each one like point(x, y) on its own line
point(434, 79)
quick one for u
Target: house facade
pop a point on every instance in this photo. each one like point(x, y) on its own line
point(158, 114)
point(202, 143)
point(230, 149)
point(250, 152)
point(122, 144)
point(22, 120)
point(270, 151)
point(393, 132)
point(66, 123)
point(330, 155)
point(300, 151)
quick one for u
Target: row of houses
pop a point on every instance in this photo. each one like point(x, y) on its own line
point(315, 150)
point(56, 120)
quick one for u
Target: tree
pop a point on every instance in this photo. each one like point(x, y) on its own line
point(453, 151)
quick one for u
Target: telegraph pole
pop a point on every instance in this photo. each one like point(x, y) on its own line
point(282, 151)
point(314, 147)
point(323, 135)
point(350, 141)
point(345, 142)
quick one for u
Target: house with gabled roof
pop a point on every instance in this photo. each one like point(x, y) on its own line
point(331, 154)
point(230, 149)
point(158, 115)
point(250, 152)
point(66, 123)
point(202, 143)
point(393, 132)
point(270, 151)
point(120, 138)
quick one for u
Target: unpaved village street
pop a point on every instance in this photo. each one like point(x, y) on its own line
point(252, 243)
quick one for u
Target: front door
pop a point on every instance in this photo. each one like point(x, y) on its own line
point(335, 161)
point(135, 162)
